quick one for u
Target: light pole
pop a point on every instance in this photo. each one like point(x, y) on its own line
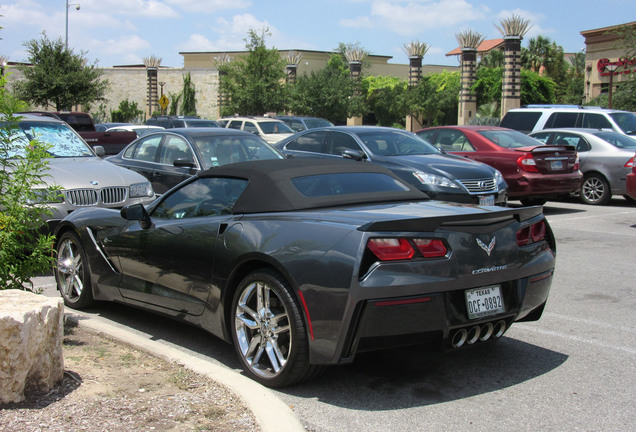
point(77, 7)
point(611, 68)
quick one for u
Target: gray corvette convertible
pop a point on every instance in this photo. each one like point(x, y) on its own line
point(305, 263)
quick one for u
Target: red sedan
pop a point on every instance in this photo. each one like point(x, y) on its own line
point(631, 182)
point(535, 172)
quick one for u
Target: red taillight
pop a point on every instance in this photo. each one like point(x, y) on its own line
point(531, 234)
point(527, 163)
point(577, 163)
point(391, 248)
point(431, 248)
point(630, 163)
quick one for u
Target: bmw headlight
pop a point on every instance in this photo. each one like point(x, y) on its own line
point(434, 180)
point(139, 190)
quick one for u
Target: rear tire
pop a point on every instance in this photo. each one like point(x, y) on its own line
point(72, 274)
point(595, 190)
point(268, 331)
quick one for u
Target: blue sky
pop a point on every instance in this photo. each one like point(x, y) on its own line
point(119, 32)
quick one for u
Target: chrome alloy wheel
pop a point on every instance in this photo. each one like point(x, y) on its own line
point(595, 190)
point(262, 329)
point(70, 270)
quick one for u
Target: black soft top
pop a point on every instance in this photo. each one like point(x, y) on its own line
point(270, 187)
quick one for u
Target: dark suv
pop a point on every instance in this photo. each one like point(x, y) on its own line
point(169, 122)
point(534, 118)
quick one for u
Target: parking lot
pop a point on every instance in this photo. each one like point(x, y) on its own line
point(575, 369)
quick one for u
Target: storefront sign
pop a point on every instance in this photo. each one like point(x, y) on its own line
point(624, 66)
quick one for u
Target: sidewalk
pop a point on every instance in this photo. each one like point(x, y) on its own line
point(271, 413)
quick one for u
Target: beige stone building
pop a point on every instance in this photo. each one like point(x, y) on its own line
point(604, 51)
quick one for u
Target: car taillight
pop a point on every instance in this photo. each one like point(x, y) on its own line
point(630, 163)
point(531, 234)
point(527, 163)
point(577, 163)
point(390, 249)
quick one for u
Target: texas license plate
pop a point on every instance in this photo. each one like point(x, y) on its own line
point(487, 200)
point(484, 301)
point(556, 165)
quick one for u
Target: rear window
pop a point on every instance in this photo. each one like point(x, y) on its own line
point(521, 121)
point(324, 185)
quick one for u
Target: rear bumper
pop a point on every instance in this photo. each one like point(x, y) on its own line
point(531, 185)
point(631, 185)
point(441, 319)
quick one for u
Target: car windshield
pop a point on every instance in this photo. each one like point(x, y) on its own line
point(626, 121)
point(220, 150)
point(271, 127)
point(617, 140)
point(396, 143)
point(510, 138)
point(62, 140)
point(201, 123)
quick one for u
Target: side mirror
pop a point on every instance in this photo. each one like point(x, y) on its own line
point(354, 154)
point(99, 151)
point(184, 163)
point(137, 212)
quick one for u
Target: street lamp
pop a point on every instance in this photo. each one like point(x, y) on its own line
point(77, 7)
point(611, 68)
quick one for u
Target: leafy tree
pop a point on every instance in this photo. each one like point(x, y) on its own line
point(127, 112)
point(254, 83)
point(174, 103)
point(544, 56)
point(435, 99)
point(24, 250)
point(492, 59)
point(57, 77)
point(188, 106)
point(324, 93)
point(386, 97)
point(575, 80)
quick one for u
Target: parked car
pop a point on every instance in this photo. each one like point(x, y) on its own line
point(533, 171)
point(305, 263)
point(169, 122)
point(268, 128)
point(140, 130)
point(103, 127)
point(301, 123)
point(606, 159)
point(631, 184)
point(441, 176)
point(86, 180)
point(168, 157)
point(534, 118)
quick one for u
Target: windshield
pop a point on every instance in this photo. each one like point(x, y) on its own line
point(626, 121)
point(510, 139)
point(222, 150)
point(63, 140)
point(618, 140)
point(396, 143)
point(270, 127)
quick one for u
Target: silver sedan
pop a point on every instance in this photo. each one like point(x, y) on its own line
point(606, 158)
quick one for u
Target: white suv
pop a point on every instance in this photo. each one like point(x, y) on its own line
point(270, 129)
point(534, 118)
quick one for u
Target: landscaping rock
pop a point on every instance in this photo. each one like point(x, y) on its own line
point(31, 336)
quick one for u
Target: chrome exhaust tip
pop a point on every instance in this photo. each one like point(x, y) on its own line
point(473, 335)
point(499, 329)
point(486, 332)
point(459, 338)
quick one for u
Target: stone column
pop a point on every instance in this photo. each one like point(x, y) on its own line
point(355, 70)
point(467, 99)
point(153, 97)
point(415, 76)
point(511, 85)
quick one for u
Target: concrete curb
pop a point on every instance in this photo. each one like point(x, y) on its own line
point(271, 413)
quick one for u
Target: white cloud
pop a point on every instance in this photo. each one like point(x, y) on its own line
point(359, 22)
point(209, 6)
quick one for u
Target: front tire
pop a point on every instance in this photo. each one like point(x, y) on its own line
point(71, 272)
point(595, 190)
point(268, 331)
